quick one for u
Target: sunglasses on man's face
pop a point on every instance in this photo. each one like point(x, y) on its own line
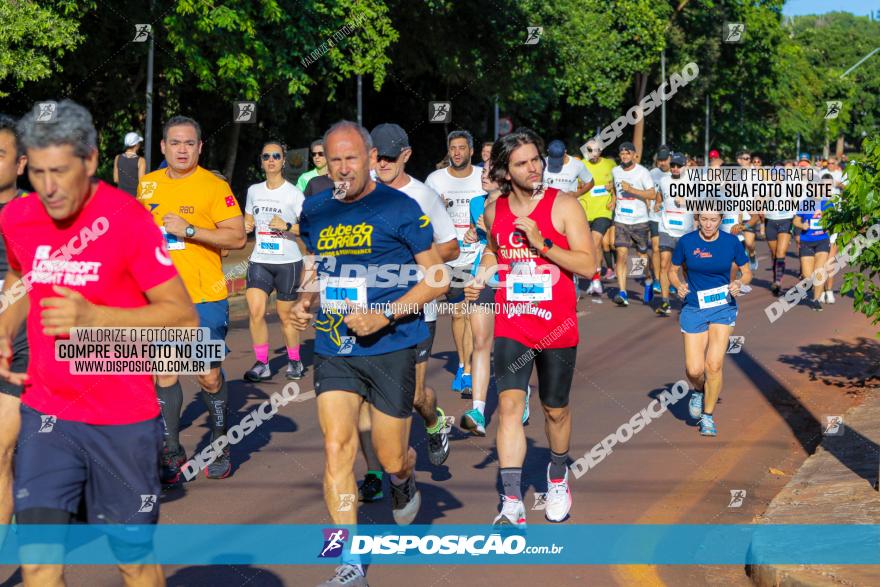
point(275, 156)
point(675, 166)
point(317, 153)
point(745, 158)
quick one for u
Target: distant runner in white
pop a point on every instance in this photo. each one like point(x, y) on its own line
point(272, 210)
point(458, 184)
point(566, 173)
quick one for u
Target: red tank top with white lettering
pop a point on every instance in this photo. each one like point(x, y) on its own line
point(537, 298)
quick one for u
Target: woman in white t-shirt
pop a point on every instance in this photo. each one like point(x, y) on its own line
point(272, 210)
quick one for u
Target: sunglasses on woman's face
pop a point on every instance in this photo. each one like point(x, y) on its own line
point(275, 156)
point(317, 153)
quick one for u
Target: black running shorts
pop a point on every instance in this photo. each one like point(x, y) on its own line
point(423, 349)
point(387, 382)
point(810, 248)
point(283, 278)
point(513, 369)
point(772, 228)
point(600, 225)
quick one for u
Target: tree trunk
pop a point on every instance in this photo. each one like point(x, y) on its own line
point(641, 84)
point(231, 152)
point(838, 151)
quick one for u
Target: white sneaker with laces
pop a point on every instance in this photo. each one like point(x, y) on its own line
point(596, 287)
point(829, 297)
point(347, 576)
point(513, 513)
point(558, 502)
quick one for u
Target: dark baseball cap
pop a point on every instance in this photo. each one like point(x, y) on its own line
point(663, 153)
point(555, 156)
point(678, 159)
point(626, 146)
point(389, 139)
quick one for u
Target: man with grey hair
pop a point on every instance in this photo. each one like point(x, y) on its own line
point(70, 251)
point(366, 333)
point(458, 184)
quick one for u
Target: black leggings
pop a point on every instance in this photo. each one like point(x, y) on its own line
point(513, 369)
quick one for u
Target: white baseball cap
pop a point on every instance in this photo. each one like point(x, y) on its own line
point(132, 139)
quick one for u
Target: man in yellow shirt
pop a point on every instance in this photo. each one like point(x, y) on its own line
point(598, 204)
point(199, 216)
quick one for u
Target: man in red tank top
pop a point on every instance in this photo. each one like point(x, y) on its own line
point(538, 238)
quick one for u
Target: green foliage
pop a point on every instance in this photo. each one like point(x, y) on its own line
point(855, 218)
point(32, 36)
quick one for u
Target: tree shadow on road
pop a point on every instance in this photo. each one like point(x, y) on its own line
point(846, 365)
point(853, 450)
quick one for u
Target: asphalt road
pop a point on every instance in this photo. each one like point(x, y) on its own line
point(789, 375)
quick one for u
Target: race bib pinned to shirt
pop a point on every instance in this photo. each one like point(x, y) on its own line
point(816, 224)
point(172, 242)
point(712, 298)
point(336, 290)
point(270, 242)
point(599, 191)
point(529, 288)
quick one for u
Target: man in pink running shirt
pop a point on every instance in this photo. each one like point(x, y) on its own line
point(539, 237)
point(72, 263)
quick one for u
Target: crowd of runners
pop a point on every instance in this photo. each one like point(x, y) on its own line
point(371, 258)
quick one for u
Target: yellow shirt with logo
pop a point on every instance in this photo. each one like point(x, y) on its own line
point(203, 200)
point(597, 206)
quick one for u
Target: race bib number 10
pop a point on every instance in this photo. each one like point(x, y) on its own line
point(336, 290)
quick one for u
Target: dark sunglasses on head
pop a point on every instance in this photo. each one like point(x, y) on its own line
point(317, 153)
point(267, 156)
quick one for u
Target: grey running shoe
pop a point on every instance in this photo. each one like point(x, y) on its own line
point(346, 576)
point(259, 372)
point(220, 468)
point(295, 370)
point(405, 501)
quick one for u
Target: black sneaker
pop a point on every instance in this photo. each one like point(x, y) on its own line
point(664, 309)
point(405, 501)
point(815, 305)
point(169, 468)
point(295, 370)
point(438, 442)
point(259, 372)
point(221, 467)
point(370, 489)
point(775, 289)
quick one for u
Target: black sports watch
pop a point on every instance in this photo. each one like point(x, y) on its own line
point(190, 231)
point(548, 244)
point(289, 226)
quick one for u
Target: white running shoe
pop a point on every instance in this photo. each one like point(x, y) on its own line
point(596, 287)
point(829, 297)
point(346, 576)
point(558, 498)
point(513, 513)
point(822, 297)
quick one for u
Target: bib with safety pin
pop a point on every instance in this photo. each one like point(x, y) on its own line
point(335, 290)
point(529, 288)
point(599, 191)
point(712, 298)
point(270, 242)
point(172, 242)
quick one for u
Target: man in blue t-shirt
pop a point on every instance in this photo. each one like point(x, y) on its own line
point(709, 311)
point(372, 238)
